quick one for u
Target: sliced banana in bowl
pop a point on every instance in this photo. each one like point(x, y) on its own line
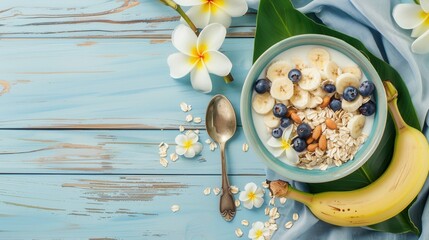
point(282, 88)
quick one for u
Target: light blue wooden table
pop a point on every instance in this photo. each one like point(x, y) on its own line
point(86, 100)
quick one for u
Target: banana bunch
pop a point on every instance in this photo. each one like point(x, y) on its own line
point(387, 196)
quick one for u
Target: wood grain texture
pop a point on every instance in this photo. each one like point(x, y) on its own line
point(104, 83)
point(98, 19)
point(117, 207)
point(118, 152)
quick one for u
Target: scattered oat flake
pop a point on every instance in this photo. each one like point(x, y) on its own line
point(208, 141)
point(265, 184)
point(272, 201)
point(245, 147)
point(189, 118)
point(197, 120)
point(174, 157)
point(289, 224)
point(206, 191)
point(283, 200)
point(237, 203)
point(238, 232)
point(175, 208)
point(244, 222)
point(196, 131)
point(185, 107)
point(213, 146)
point(181, 128)
point(267, 211)
point(216, 191)
point(295, 216)
point(233, 189)
point(163, 162)
point(272, 212)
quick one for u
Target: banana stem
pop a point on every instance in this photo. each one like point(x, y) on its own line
point(392, 99)
point(281, 188)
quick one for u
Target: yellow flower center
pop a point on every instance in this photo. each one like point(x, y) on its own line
point(423, 14)
point(285, 144)
point(426, 22)
point(251, 195)
point(199, 55)
point(258, 233)
point(212, 5)
point(187, 144)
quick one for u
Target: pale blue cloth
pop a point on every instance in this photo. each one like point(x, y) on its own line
point(371, 22)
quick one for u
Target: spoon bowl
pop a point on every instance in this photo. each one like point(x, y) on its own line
point(221, 124)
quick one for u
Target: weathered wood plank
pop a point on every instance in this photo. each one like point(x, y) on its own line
point(97, 19)
point(118, 152)
point(105, 83)
point(117, 207)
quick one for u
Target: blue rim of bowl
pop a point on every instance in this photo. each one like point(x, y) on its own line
point(314, 175)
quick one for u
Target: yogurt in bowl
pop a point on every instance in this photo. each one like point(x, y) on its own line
point(314, 108)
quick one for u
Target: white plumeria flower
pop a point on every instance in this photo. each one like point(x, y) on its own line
point(188, 145)
point(252, 196)
point(204, 12)
point(283, 145)
point(199, 55)
point(416, 17)
point(258, 231)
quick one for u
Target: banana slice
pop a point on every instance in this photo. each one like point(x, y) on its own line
point(271, 121)
point(282, 89)
point(355, 125)
point(319, 57)
point(352, 106)
point(298, 63)
point(319, 92)
point(345, 80)
point(314, 101)
point(263, 103)
point(353, 70)
point(310, 79)
point(300, 98)
point(279, 69)
point(332, 70)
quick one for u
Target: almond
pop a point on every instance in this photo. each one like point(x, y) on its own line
point(295, 118)
point(309, 140)
point(317, 132)
point(290, 111)
point(325, 102)
point(312, 147)
point(330, 124)
point(322, 143)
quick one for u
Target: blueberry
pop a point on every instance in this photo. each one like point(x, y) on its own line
point(295, 75)
point(366, 88)
point(303, 130)
point(279, 110)
point(367, 109)
point(350, 93)
point(285, 122)
point(335, 104)
point(299, 144)
point(262, 86)
point(329, 88)
point(277, 132)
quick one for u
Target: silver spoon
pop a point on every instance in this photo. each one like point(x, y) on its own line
point(221, 124)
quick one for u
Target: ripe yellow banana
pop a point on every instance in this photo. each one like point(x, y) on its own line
point(384, 198)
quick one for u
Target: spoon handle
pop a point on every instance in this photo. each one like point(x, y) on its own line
point(227, 205)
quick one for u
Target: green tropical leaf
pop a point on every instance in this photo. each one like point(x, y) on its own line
point(277, 20)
